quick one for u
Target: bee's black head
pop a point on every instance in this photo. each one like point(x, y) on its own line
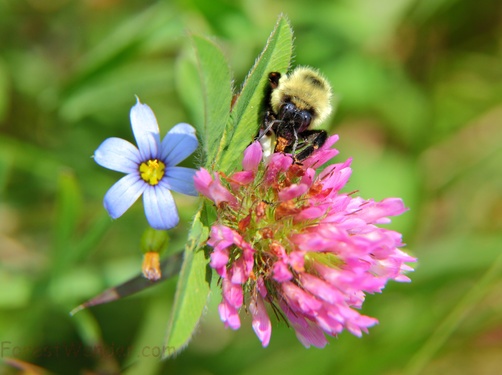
point(300, 119)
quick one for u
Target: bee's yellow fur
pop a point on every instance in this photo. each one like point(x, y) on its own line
point(308, 90)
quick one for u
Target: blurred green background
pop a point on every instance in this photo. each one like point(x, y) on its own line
point(419, 110)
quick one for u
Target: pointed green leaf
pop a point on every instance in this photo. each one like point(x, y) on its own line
point(192, 291)
point(188, 88)
point(216, 89)
point(193, 284)
point(247, 112)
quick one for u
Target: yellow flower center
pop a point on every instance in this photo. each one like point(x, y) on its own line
point(152, 171)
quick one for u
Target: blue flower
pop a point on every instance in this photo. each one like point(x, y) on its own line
point(151, 168)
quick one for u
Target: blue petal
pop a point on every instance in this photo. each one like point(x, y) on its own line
point(160, 209)
point(179, 143)
point(118, 155)
point(123, 194)
point(146, 131)
point(180, 180)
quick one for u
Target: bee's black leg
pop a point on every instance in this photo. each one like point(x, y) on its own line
point(269, 123)
point(311, 141)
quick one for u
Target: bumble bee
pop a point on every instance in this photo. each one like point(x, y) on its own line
point(295, 103)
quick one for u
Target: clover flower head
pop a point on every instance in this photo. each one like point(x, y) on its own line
point(151, 168)
point(287, 236)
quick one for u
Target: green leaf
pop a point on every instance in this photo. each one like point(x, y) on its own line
point(222, 137)
point(216, 89)
point(192, 291)
point(247, 112)
point(188, 87)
